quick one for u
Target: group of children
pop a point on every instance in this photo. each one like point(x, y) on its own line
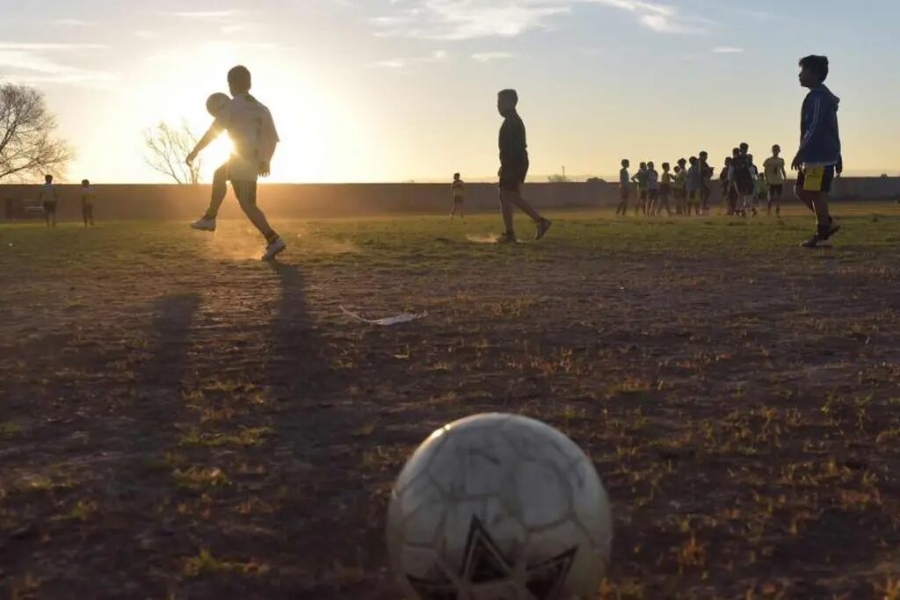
point(818, 161)
point(49, 199)
point(689, 184)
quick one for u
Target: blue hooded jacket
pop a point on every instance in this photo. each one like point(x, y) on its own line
point(820, 140)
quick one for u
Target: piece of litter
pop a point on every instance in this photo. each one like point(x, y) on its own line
point(387, 322)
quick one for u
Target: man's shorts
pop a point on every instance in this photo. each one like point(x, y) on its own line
point(49, 207)
point(776, 190)
point(512, 179)
point(816, 179)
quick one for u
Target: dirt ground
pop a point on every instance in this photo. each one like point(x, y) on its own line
point(180, 421)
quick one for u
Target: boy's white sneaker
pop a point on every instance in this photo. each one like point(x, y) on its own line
point(274, 249)
point(204, 224)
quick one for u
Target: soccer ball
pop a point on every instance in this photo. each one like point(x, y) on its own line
point(499, 507)
point(217, 102)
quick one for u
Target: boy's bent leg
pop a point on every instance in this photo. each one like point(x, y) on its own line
point(219, 191)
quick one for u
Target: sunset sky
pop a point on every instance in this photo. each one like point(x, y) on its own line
point(396, 90)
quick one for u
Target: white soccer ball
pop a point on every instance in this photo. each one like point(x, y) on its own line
point(499, 507)
point(216, 103)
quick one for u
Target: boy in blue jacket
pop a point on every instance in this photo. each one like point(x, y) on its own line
point(819, 158)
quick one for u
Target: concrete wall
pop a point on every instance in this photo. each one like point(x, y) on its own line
point(164, 202)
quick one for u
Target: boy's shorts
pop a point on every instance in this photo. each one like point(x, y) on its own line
point(49, 207)
point(242, 170)
point(458, 200)
point(643, 195)
point(624, 194)
point(679, 193)
point(816, 179)
point(776, 190)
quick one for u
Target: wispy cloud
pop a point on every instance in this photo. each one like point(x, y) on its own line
point(727, 50)
point(469, 19)
point(73, 23)
point(35, 63)
point(400, 63)
point(207, 15)
point(48, 47)
point(490, 56)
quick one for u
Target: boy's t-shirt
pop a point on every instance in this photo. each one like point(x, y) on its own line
point(47, 193)
point(652, 179)
point(694, 179)
point(87, 196)
point(774, 168)
point(680, 179)
point(624, 178)
point(253, 135)
point(642, 177)
point(667, 179)
point(458, 189)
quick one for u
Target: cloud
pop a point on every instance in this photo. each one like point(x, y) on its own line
point(489, 56)
point(73, 23)
point(32, 68)
point(207, 15)
point(37, 63)
point(470, 19)
point(35, 47)
point(400, 63)
point(727, 50)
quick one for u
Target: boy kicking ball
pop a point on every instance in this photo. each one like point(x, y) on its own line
point(252, 130)
point(819, 158)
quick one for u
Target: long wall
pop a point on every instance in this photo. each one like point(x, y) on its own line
point(169, 202)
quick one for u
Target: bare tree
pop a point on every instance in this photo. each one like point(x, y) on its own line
point(167, 148)
point(28, 145)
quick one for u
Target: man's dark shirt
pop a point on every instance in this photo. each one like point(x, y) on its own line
point(513, 147)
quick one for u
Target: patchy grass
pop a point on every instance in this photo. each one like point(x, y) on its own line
point(160, 392)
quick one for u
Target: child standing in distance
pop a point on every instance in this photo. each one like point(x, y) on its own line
point(742, 179)
point(724, 181)
point(624, 188)
point(49, 197)
point(818, 159)
point(706, 173)
point(514, 168)
point(762, 188)
point(694, 183)
point(641, 179)
point(87, 203)
point(458, 192)
point(680, 186)
point(665, 189)
point(652, 189)
point(252, 130)
point(775, 177)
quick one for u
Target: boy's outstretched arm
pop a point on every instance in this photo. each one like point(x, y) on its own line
point(208, 138)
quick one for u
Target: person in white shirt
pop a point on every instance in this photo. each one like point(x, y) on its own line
point(254, 137)
point(48, 197)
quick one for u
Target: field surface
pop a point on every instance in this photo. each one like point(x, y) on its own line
point(179, 420)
